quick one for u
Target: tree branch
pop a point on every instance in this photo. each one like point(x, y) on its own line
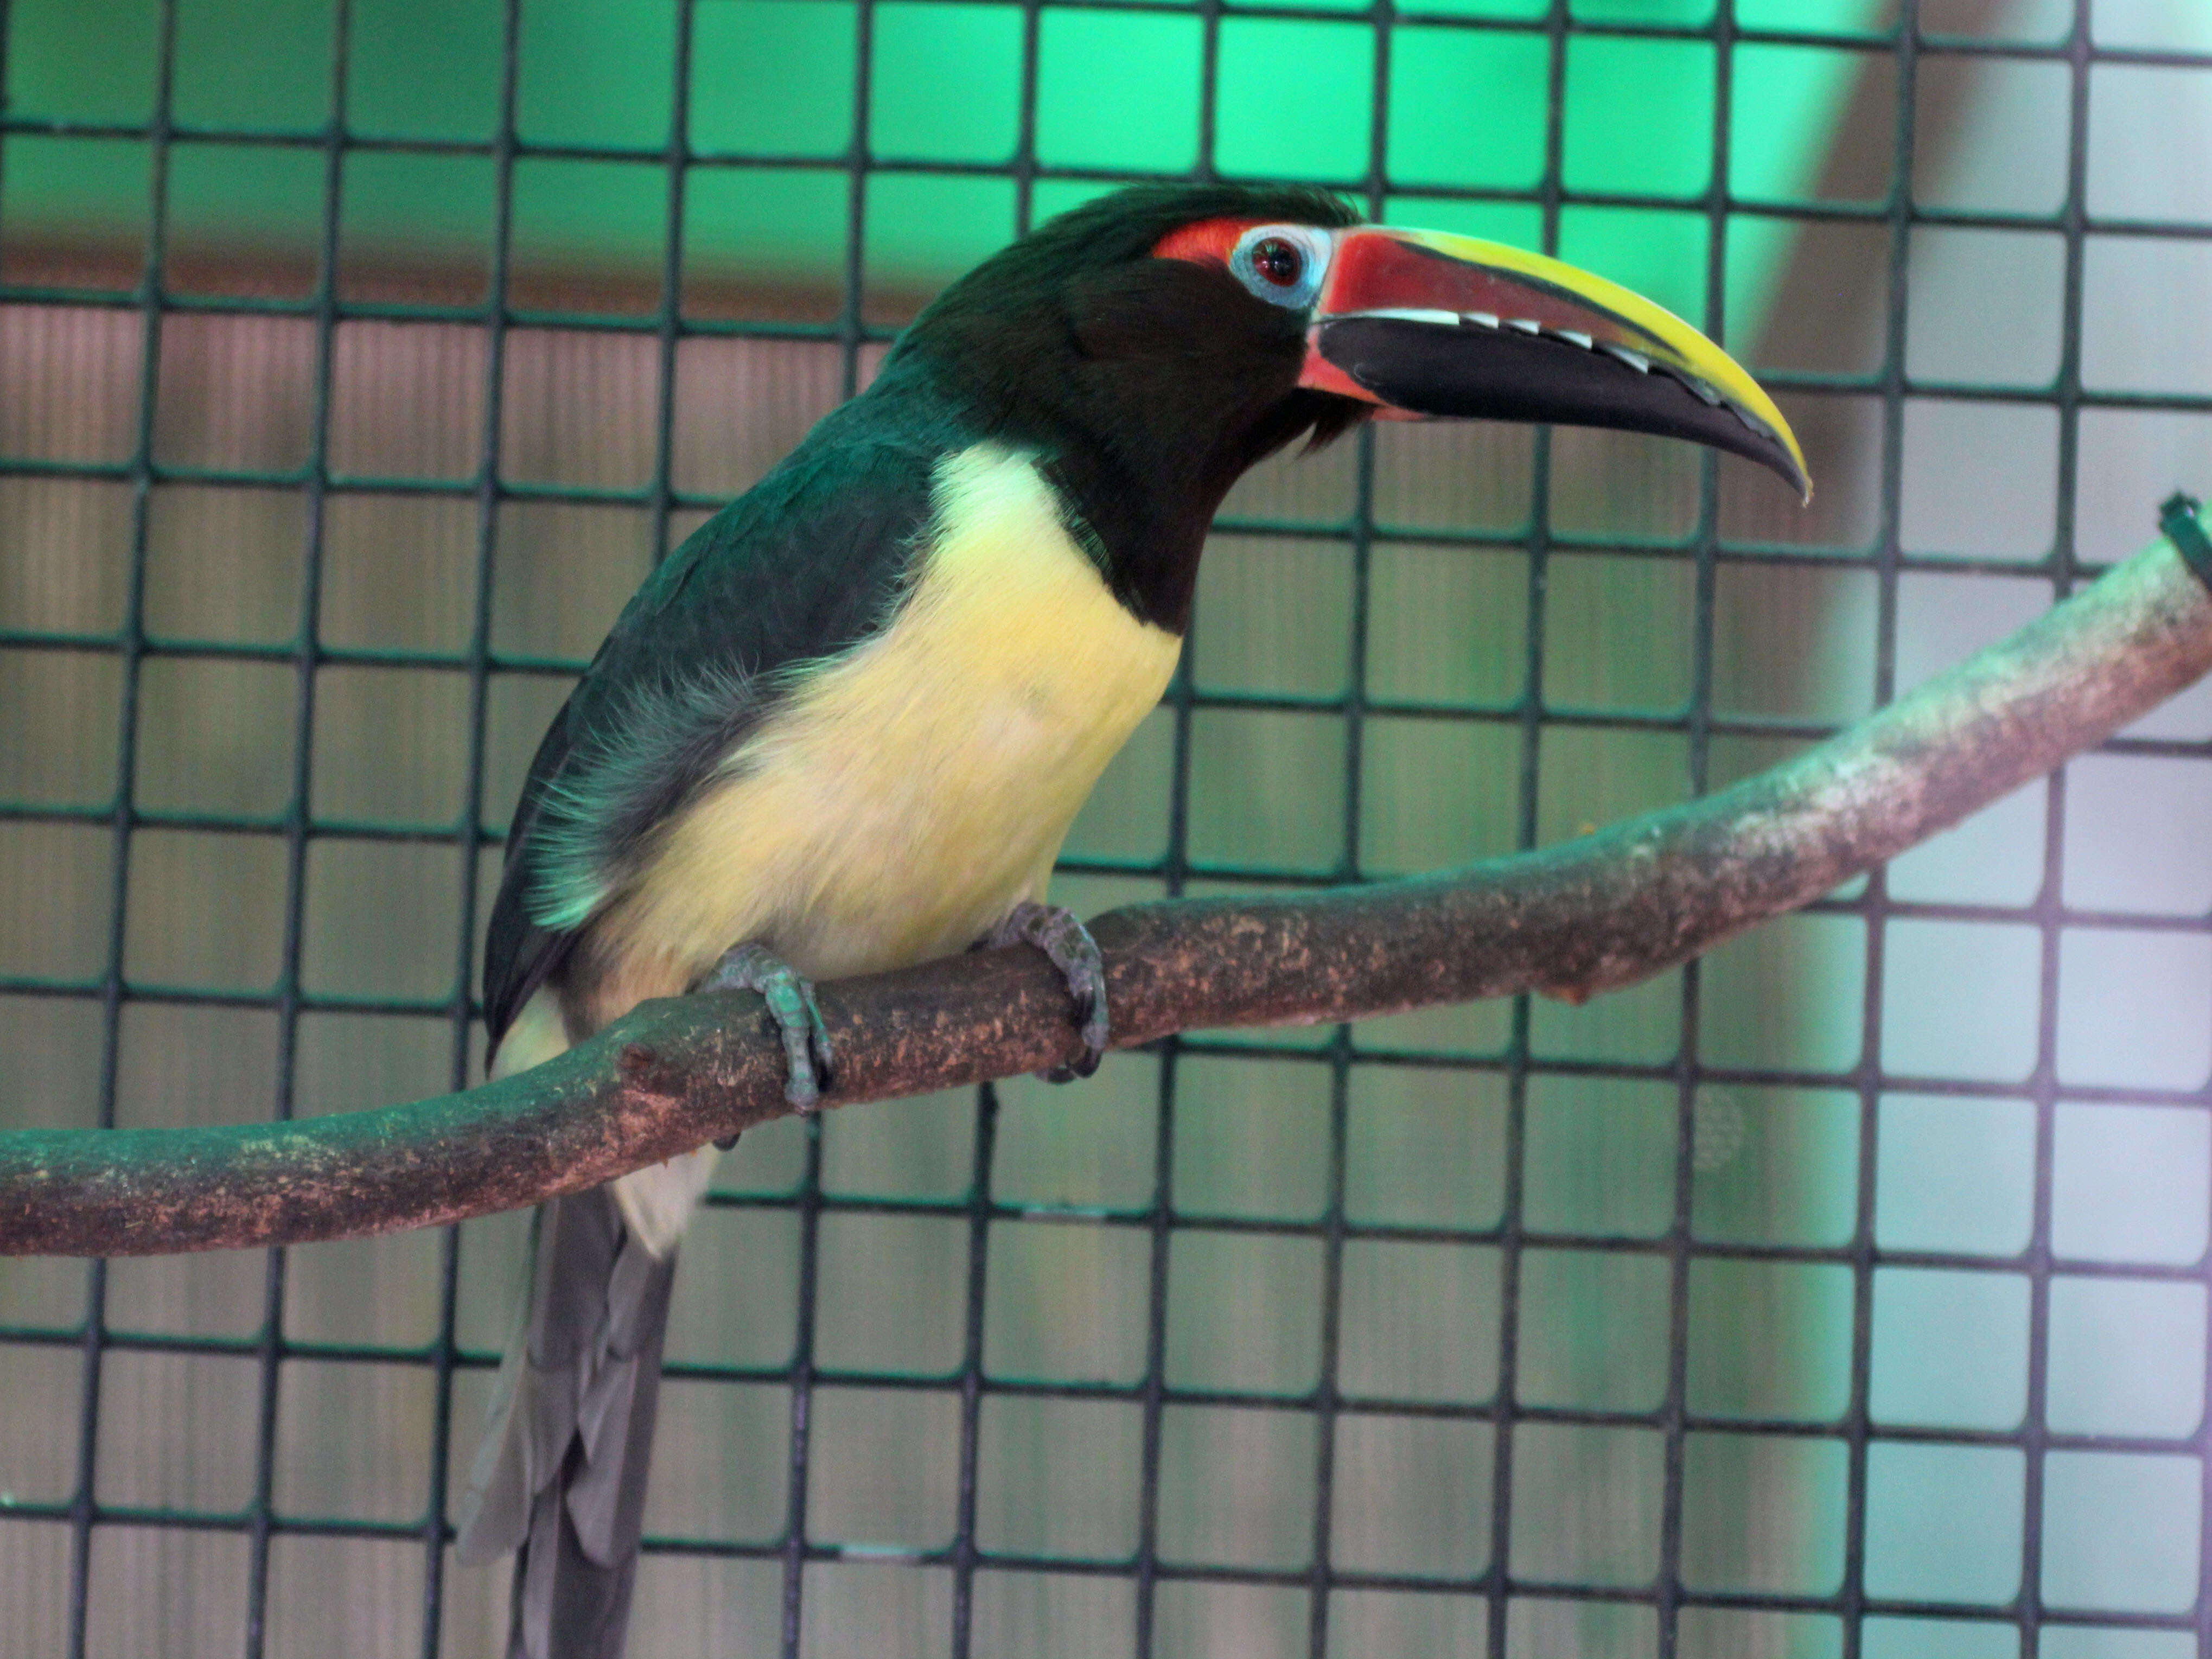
point(1588, 915)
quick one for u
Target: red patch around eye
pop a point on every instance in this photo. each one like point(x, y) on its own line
point(1208, 242)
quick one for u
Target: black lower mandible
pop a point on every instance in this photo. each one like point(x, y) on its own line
point(2177, 516)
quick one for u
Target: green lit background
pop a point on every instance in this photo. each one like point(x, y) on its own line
point(773, 81)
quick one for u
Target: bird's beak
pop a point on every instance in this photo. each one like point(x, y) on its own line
point(1428, 324)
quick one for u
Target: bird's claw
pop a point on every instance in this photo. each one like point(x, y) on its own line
point(1062, 937)
point(791, 1005)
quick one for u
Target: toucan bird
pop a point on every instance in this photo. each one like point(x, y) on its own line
point(845, 726)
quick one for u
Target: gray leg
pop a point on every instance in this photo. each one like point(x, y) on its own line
point(791, 1005)
point(1063, 938)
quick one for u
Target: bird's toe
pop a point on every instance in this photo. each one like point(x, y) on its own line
point(1061, 935)
point(792, 1005)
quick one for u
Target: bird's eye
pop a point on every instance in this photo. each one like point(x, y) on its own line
point(1282, 264)
point(1278, 261)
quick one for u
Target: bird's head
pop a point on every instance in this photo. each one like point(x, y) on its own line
point(1155, 343)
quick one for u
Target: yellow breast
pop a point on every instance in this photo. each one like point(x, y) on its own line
point(905, 797)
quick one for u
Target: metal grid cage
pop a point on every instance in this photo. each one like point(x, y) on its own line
point(1842, 1294)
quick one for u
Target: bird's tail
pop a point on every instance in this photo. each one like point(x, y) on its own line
point(560, 1475)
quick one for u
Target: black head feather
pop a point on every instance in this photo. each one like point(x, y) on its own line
point(1149, 385)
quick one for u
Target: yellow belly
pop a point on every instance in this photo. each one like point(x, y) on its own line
point(905, 797)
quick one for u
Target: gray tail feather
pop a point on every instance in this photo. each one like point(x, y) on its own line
point(560, 1475)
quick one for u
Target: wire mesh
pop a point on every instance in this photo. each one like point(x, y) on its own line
point(1724, 1415)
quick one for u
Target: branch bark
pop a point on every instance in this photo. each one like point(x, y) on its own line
point(1591, 914)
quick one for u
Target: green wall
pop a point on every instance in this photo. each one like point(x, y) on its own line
point(773, 79)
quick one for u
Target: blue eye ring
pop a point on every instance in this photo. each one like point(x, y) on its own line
point(1283, 264)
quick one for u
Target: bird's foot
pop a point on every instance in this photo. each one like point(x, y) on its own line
point(791, 1003)
point(1063, 938)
